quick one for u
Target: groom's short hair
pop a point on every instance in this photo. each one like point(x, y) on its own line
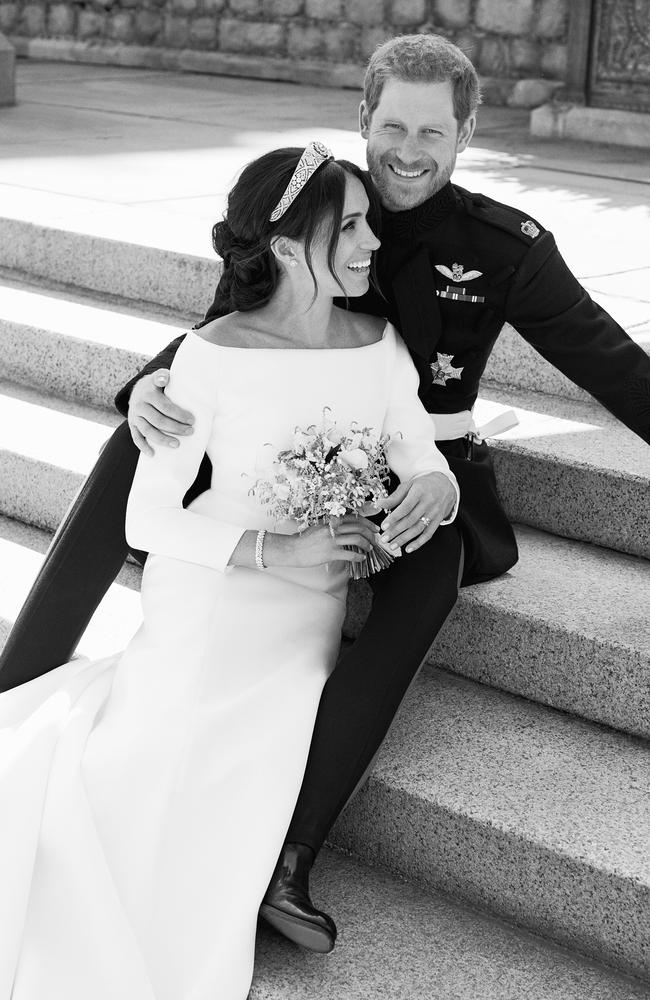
point(423, 59)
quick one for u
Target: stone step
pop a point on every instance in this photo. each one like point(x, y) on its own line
point(584, 654)
point(567, 627)
point(386, 926)
point(77, 345)
point(526, 812)
point(374, 911)
point(515, 364)
point(22, 548)
point(134, 254)
point(556, 805)
point(400, 942)
point(571, 468)
point(107, 251)
point(566, 459)
point(587, 656)
point(47, 447)
point(34, 319)
point(454, 745)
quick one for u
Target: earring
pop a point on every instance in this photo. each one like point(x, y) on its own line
point(293, 263)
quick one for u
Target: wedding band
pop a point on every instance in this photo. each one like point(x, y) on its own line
point(426, 521)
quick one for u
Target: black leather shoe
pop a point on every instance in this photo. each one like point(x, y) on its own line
point(287, 906)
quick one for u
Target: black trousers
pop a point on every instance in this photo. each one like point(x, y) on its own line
point(86, 554)
point(411, 600)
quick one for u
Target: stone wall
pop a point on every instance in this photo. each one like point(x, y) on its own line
point(7, 73)
point(316, 41)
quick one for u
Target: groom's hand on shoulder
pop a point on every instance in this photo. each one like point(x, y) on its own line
point(153, 418)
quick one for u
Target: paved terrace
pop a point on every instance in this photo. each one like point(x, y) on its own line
point(148, 157)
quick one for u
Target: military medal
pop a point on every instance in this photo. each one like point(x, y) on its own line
point(458, 273)
point(443, 370)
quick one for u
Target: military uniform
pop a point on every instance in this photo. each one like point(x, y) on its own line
point(451, 272)
point(458, 267)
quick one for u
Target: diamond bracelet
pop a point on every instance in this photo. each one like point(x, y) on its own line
point(259, 550)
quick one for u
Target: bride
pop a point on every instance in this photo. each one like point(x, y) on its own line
point(132, 855)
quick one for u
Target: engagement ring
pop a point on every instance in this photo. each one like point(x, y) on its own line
point(426, 521)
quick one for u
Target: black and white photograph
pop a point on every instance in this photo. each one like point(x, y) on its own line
point(324, 499)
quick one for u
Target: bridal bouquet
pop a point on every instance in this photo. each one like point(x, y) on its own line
point(326, 474)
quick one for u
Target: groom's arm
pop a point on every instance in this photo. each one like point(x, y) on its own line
point(153, 418)
point(553, 312)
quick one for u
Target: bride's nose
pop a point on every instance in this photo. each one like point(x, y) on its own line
point(370, 241)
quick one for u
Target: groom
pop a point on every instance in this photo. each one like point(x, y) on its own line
point(453, 268)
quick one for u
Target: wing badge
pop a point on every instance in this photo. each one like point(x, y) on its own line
point(458, 273)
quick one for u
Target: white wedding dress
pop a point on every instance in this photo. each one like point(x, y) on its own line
point(145, 797)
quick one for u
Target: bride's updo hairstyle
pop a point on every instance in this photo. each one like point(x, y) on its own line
point(251, 273)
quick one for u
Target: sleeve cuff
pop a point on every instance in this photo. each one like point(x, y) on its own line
point(452, 479)
point(452, 516)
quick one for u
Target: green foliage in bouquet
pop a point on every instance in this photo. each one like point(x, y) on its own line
point(326, 474)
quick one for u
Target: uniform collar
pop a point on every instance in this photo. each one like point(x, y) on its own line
point(405, 227)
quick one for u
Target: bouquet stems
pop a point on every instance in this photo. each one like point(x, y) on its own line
point(375, 560)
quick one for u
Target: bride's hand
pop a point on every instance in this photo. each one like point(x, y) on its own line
point(323, 544)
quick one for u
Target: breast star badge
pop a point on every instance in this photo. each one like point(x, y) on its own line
point(443, 370)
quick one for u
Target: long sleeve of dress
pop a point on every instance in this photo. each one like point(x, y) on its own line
point(412, 449)
point(155, 519)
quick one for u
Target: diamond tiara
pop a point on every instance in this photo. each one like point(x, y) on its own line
point(315, 153)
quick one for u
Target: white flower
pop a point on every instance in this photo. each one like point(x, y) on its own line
point(332, 436)
point(355, 459)
point(281, 491)
point(302, 440)
point(334, 508)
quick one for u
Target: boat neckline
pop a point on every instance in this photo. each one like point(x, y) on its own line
point(293, 350)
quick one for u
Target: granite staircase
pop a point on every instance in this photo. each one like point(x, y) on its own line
point(501, 847)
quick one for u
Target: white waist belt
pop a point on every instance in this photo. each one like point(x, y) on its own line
point(450, 426)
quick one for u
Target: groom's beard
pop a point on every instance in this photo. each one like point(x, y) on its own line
point(398, 197)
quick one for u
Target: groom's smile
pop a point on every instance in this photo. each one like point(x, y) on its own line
point(404, 172)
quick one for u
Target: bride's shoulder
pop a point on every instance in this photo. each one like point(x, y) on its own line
point(239, 330)
point(225, 331)
point(366, 329)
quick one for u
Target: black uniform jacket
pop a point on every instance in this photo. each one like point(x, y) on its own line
point(450, 273)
